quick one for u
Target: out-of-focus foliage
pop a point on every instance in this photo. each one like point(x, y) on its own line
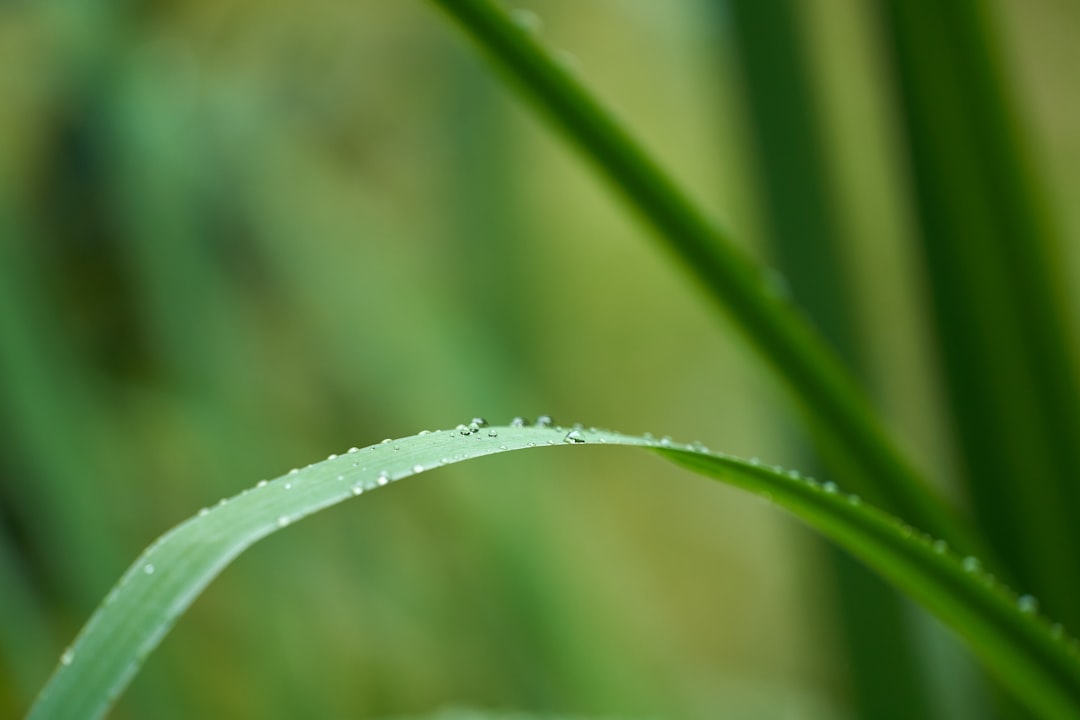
point(199, 204)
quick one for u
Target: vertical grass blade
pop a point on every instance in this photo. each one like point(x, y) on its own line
point(998, 310)
point(800, 221)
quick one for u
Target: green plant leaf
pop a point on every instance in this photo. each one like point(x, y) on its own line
point(1024, 650)
point(842, 422)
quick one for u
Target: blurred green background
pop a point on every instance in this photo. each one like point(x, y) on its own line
point(237, 236)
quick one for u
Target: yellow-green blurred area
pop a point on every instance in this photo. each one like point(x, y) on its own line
point(238, 236)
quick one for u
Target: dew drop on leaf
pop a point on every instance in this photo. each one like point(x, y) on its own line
point(544, 421)
point(527, 20)
point(1027, 604)
point(519, 422)
point(972, 564)
point(149, 568)
point(574, 437)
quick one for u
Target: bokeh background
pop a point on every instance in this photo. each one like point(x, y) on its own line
point(237, 236)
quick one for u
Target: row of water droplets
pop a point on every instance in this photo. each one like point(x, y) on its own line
point(1027, 604)
point(577, 434)
point(532, 25)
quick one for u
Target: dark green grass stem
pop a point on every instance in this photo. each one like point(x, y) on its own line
point(997, 307)
point(839, 414)
point(799, 211)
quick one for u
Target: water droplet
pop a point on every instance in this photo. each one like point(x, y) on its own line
point(1027, 604)
point(503, 447)
point(418, 468)
point(574, 437)
point(519, 422)
point(148, 568)
point(260, 484)
point(1057, 631)
point(357, 488)
point(544, 421)
point(478, 422)
point(332, 456)
point(830, 487)
point(567, 60)
point(354, 449)
point(67, 657)
point(294, 471)
point(776, 283)
point(425, 432)
point(755, 461)
point(854, 500)
point(204, 511)
point(972, 564)
point(464, 430)
point(386, 441)
point(940, 547)
point(698, 446)
point(287, 486)
point(384, 477)
point(527, 20)
point(340, 477)
point(493, 433)
point(665, 441)
point(282, 521)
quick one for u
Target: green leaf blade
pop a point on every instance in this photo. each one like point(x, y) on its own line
point(843, 423)
point(172, 572)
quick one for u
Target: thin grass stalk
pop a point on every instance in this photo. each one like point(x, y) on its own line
point(838, 412)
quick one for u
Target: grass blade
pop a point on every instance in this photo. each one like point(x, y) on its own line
point(171, 573)
point(842, 421)
point(799, 211)
point(998, 310)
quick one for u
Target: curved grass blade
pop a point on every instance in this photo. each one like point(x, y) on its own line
point(1028, 654)
point(843, 422)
